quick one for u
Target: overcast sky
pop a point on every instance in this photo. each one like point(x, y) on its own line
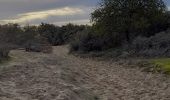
point(50, 11)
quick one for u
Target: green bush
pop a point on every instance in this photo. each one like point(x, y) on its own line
point(158, 45)
point(38, 44)
point(59, 35)
point(86, 41)
point(4, 51)
point(130, 18)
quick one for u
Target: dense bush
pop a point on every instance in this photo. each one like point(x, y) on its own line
point(86, 41)
point(59, 35)
point(123, 20)
point(157, 45)
point(10, 33)
point(89, 40)
point(4, 51)
point(133, 26)
point(37, 47)
point(38, 44)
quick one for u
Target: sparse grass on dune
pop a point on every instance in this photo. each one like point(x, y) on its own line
point(163, 63)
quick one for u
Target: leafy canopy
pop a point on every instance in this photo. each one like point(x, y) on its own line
point(144, 17)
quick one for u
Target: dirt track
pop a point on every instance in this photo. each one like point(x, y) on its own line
point(59, 76)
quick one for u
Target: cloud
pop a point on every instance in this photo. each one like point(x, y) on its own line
point(41, 15)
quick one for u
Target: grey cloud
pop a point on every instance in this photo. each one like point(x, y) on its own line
point(10, 9)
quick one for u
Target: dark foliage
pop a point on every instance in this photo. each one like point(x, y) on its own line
point(133, 26)
point(130, 18)
point(59, 35)
point(85, 41)
point(38, 44)
point(4, 50)
point(158, 45)
point(38, 38)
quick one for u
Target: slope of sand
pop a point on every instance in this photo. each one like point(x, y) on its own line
point(59, 76)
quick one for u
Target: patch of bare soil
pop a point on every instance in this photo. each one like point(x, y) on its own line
point(59, 76)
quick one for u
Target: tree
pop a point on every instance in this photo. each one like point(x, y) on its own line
point(126, 19)
point(10, 33)
point(49, 31)
point(70, 30)
point(59, 35)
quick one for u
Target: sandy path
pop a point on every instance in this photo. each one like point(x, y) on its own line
point(59, 76)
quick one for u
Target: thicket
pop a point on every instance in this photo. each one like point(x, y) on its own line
point(59, 35)
point(4, 51)
point(157, 45)
point(35, 38)
point(85, 41)
point(137, 26)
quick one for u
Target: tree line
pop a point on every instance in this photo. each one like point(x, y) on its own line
point(52, 34)
point(137, 27)
point(35, 38)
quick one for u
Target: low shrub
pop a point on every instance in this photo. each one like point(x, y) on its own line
point(86, 41)
point(37, 47)
point(39, 44)
point(4, 51)
point(163, 64)
point(158, 45)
